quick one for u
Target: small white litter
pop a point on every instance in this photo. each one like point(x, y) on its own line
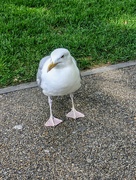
point(18, 127)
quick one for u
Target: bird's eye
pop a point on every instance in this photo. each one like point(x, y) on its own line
point(62, 56)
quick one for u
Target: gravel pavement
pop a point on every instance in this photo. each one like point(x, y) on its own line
point(100, 146)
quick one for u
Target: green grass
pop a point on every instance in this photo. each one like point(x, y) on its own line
point(94, 31)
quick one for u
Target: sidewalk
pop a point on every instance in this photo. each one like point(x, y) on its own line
point(99, 146)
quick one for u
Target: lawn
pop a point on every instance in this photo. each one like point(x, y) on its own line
point(96, 32)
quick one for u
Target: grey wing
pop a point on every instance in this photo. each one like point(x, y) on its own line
point(74, 61)
point(76, 65)
point(39, 73)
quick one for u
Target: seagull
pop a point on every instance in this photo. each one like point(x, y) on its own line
point(59, 75)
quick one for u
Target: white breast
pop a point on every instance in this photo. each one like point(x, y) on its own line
point(58, 82)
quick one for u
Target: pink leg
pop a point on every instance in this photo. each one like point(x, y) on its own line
point(52, 121)
point(74, 113)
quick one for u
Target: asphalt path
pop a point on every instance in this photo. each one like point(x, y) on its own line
point(100, 146)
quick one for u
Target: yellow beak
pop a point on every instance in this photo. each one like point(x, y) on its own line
point(52, 65)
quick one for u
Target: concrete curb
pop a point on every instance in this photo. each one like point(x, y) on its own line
point(108, 68)
point(83, 73)
point(18, 87)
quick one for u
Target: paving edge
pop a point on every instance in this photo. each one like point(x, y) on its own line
point(83, 73)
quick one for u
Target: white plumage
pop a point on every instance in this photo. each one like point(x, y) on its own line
point(59, 75)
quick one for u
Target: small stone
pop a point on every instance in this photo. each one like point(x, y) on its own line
point(18, 127)
point(47, 151)
point(88, 160)
point(98, 93)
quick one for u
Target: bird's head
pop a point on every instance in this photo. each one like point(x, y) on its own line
point(59, 56)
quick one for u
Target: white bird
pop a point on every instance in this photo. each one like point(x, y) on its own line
point(59, 75)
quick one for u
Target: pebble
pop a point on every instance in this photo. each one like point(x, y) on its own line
point(18, 127)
